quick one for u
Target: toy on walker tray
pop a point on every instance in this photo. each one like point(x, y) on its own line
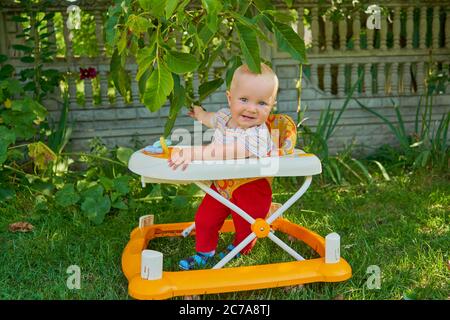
point(143, 268)
point(160, 148)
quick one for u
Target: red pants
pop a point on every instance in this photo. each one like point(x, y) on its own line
point(254, 198)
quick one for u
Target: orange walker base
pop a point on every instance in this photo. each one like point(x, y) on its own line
point(210, 281)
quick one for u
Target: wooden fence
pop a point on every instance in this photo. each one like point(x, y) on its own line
point(394, 62)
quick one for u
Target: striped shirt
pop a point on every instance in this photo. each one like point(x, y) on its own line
point(256, 140)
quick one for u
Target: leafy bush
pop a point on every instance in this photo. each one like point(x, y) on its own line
point(170, 40)
point(427, 145)
point(343, 167)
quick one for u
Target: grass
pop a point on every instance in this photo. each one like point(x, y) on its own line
point(401, 226)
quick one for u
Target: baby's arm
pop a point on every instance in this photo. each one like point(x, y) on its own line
point(206, 118)
point(182, 157)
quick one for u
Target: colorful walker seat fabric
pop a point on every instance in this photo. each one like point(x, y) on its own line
point(284, 135)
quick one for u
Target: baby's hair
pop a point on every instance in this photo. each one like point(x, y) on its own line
point(265, 71)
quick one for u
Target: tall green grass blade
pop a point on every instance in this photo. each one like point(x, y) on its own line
point(439, 144)
point(323, 121)
point(363, 169)
point(416, 120)
point(422, 159)
point(60, 136)
point(347, 100)
point(329, 126)
point(334, 166)
point(330, 173)
point(383, 170)
point(346, 166)
point(402, 139)
point(401, 123)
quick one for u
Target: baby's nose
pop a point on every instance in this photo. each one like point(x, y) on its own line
point(252, 107)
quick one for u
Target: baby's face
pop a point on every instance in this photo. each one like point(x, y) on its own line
point(251, 99)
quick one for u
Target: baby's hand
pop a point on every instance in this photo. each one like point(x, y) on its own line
point(196, 112)
point(180, 157)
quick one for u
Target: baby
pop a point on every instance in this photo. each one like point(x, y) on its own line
point(240, 132)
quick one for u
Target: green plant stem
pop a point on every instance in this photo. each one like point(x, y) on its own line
point(20, 171)
point(92, 156)
point(37, 60)
point(19, 146)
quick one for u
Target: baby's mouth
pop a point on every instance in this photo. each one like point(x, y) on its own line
point(247, 117)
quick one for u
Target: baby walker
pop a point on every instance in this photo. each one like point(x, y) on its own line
point(143, 268)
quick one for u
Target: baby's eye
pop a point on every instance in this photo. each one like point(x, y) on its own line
point(262, 103)
point(243, 99)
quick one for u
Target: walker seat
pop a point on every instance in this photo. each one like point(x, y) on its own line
point(153, 168)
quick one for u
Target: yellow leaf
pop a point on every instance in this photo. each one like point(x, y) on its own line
point(1, 120)
point(7, 104)
point(41, 154)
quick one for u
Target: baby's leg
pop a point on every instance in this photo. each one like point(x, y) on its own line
point(209, 218)
point(254, 198)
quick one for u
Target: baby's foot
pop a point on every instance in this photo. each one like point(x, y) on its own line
point(198, 260)
point(227, 251)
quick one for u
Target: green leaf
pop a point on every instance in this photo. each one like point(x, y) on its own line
point(48, 16)
point(96, 208)
point(142, 83)
point(19, 19)
point(120, 76)
point(249, 47)
point(94, 191)
point(251, 23)
point(145, 58)
point(67, 196)
point(158, 87)
point(6, 71)
point(122, 43)
point(121, 184)
point(114, 196)
point(171, 5)
point(22, 47)
point(124, 154)
point(235, 63)
point(180, 62)
point(209, 87)
point(7, 194)
point(40, 203)
point(289, 3)
point(7, 137)
point(177, 100)
point(138, 24)
point(156, 7)
point(111, 30)
point(38, 109)
point(283, 17)
point(205, 34)
point(107, 183)
point(27, 59)
point(242, 6)
point(119, 204)
point(3, 58)
point(289, 41)
point(263, 5)
point(213, 8)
